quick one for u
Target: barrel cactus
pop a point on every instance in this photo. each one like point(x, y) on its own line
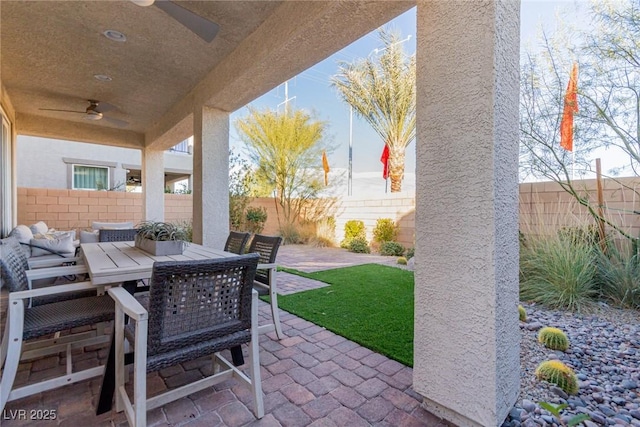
point(553, 338)
point(522, 313)
point(559, 374)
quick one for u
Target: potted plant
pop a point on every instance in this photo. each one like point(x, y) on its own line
point(161, 238)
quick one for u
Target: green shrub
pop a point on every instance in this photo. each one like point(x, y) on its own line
point(559, 374)
point(411, 252)
point(553, 338)
point(255, 219)
point(359, 245)
point(618, 276)
point(584, 235)
point(391, 249)
point(385, 230)
point(402, 261)
point(522, 238)
point(353, 229)
point(556, 274)
point(522, 313)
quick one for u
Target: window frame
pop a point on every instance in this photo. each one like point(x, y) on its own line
point(73, 174)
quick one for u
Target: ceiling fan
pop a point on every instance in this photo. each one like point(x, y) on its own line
point(202, 27)
point(95, 111)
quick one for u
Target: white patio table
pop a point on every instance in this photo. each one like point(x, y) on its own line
point(116, 262)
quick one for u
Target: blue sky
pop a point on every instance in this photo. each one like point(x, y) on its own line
point(312, 90)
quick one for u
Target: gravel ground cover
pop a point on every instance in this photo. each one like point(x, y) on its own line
point(604, 353)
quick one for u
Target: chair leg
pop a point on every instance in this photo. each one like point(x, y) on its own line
point(14, 348)
point(140, 375)
point(254, 360)
point(5, 343)
point(273, 297)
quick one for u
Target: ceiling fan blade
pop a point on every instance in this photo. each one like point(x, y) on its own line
point(63, 111)
point(202, 27)
point(117, 122)
point(104, 107)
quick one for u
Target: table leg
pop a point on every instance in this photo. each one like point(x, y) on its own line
point(105, 398)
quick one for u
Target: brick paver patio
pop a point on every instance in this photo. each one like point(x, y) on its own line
point(311, 378)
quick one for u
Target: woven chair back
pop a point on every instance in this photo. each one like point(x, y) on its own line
point(236, 242)
point(123, 235)
point(267, 247)
point(191, 302)
point(13, 265)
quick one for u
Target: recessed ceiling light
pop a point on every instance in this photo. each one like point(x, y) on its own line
point(102, 77)
point(114, 35)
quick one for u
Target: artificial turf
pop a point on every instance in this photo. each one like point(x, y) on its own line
point(370, 304)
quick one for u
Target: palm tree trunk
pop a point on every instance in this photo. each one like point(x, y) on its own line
point(396, 168)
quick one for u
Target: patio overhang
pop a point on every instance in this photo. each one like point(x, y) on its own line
point(162, 73)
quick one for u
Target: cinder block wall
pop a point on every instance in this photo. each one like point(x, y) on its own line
point(77, 209)
point(399, 207)
point(544, 207)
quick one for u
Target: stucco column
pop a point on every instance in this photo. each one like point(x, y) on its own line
point(153, 184)
point(467, 338)
point(210, 177)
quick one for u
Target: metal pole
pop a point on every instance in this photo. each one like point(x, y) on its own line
point(350, 184)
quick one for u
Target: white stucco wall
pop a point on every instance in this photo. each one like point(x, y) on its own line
point(40, 161)
point(466, 354)
point(210, 177)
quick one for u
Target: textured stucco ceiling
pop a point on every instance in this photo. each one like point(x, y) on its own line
point(51, 50)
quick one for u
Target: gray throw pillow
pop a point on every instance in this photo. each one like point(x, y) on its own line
point(24, 235)
point(89, 236)
point(61, 244)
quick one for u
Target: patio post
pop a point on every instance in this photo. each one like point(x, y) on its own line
point(467, 338)
point(153, 185)
point(210, 177)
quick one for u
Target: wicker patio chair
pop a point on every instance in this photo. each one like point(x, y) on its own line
point(34, 278)
point(36, 320)
point(123, 235)
point(236, 242)
point(265, 282)
point(194, 309)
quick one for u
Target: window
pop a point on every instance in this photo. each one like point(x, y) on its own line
point(90, 178)
point(183, 147)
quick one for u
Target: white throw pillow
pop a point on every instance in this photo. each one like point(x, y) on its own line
point(111, 225)
point(62, 244)
point(39, 228)
point(24, 235)
point(89, 236)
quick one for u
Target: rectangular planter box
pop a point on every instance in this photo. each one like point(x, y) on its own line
point(160, 248)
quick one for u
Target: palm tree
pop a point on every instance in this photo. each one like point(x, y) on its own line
point(383, 92)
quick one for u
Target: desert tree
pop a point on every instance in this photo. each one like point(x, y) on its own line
point(607, 93)
point(286, 151)
point(382, 90)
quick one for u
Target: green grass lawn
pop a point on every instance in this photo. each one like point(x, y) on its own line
point(370, 304)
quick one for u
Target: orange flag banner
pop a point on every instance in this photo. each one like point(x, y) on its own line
point(570, 108)
point(325, 166)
